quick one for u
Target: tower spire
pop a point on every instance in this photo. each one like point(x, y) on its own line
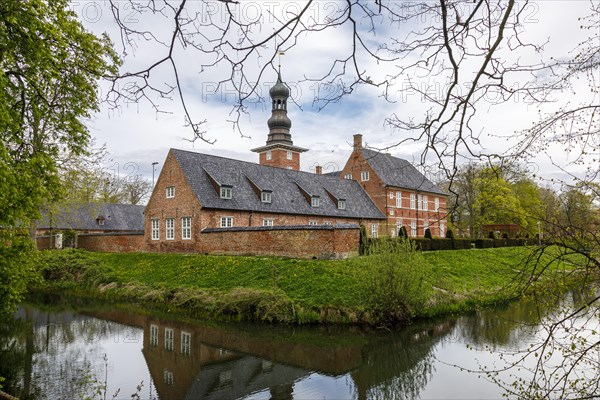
point(279, 140)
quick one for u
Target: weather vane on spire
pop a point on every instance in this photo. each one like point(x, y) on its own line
point(280, 53)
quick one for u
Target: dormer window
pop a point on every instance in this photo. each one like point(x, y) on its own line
point(265, 196)
point(314, 201)
point(170, 192)
point(226, 192)
point(341, 204)
point(100, 220)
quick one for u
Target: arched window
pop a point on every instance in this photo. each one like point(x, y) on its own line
point(279, 104)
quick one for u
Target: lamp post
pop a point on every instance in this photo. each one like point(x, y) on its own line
point(539, 233)
point(154, 164)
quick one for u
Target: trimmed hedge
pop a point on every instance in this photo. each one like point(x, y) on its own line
point(484, 243)
point(425, 244)
point(500, 242)
point(461, 244)
point(441, 244)
point(422, 243)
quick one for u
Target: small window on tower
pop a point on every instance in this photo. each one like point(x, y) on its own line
point(289, 155)
point(268, 155)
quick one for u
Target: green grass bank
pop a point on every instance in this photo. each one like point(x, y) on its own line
point(391, 286)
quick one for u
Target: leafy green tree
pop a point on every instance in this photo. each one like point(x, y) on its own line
point(49, 69)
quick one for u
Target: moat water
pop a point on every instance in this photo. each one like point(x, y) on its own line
point(51, 351)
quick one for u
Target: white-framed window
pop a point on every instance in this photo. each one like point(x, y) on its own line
point(425, 225)
point(419, 202)
point(412, 201)
point(267, 221)
point(168, 339)
point(399, 224)
point(341, 204)
point(398, 199)
point(186, 227)
point(170, 228)
point(154, 335)
point(413, 228)
point(442, 229)
point(225, 192)
point(289, 167)
point(265, 197)
point(155, 229)
point(268, 155)
point(186, 343)
point(391, 195)
point(314, 201)
point(226, 222)
point(436, 203)
point(289, 154)
point(312, 222)
point(391, 211)
point(348, 176)
point(170, 192)
point(327, 223)
point(168, 377)
point(374, 230)
point(364, 176)
point(425, 203)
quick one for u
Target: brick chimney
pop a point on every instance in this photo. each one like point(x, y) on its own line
point(357, 142)
point(319, 170)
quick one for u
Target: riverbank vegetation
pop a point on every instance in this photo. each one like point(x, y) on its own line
point(392, 284)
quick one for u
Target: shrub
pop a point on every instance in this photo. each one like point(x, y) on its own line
point(393, 282)
point(449, 234)
point(428, 234)
point(66, 265)
point(363, 240)
point(402, 233)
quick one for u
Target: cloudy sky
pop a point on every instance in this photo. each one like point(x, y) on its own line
point(135, 134)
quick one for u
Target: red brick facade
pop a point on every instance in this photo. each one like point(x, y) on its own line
point(280, 158)
point(184, 204)
point(308, 242)
point(416, 210)
point(103, 242)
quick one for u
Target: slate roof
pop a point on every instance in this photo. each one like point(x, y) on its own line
point(291, 190)
point(82, 217)
point(400, 173)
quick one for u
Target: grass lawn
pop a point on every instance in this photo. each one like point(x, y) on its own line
point(452, 280)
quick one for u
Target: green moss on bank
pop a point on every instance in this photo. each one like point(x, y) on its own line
point(290, 290)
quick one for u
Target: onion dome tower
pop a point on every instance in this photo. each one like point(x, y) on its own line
point(279, 150)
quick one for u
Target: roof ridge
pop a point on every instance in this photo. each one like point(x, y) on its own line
point(288, 171)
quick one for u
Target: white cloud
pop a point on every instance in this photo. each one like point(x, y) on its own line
point(137, 133)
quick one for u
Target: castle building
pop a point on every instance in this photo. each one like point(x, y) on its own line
point(210, 204)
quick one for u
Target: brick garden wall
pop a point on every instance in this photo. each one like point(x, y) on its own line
point(298, 242)
point(112, 242)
